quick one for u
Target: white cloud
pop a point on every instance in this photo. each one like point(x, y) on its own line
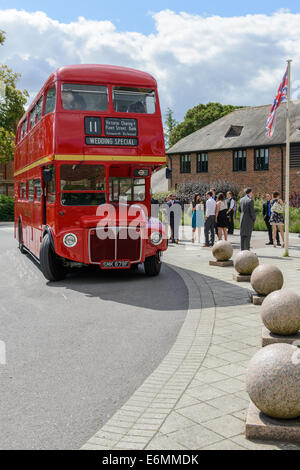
point(237, 60)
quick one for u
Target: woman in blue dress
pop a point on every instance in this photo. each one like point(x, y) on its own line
point(197, 217)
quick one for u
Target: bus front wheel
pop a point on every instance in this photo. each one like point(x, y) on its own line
point(51, 265)
point(152, 265)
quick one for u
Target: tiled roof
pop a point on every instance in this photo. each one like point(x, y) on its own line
point(253, 120)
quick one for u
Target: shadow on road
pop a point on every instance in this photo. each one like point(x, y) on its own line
point(164, 292)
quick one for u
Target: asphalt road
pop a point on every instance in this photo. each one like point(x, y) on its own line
point(76, 350)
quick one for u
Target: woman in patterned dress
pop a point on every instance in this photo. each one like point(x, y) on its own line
point(276, 219)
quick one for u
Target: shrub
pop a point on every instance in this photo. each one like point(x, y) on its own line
point(161, 196)
point(6, 208)
point(294, 225)
point(187, 190)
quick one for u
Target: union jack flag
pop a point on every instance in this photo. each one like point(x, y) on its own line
point(280, 98)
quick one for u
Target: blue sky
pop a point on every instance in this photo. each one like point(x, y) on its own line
point(222, 51)
point(133, 15)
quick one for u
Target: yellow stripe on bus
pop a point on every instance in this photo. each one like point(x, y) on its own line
point(41, 161)
point(113, 158)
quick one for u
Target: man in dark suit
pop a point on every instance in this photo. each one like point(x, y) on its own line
point(267, 215)
point(175, 217)
point(246, 208)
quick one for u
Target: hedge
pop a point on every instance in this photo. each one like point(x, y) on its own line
point(6, 208)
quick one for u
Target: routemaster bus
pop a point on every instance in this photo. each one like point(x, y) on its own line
point(85, 150)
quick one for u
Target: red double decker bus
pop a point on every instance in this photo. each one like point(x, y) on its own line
point(85, 150)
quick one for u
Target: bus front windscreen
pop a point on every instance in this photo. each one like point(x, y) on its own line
point(82, 97)
point(82, 185)
point(134, 100)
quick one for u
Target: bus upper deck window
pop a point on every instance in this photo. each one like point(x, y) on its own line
point(84, 97)
point(24, 129)
point(50, 100)
point(39, 107)
point(32, 117)
point(134, 100)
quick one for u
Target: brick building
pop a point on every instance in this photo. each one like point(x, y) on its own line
point(7, 179)
point(237, 149)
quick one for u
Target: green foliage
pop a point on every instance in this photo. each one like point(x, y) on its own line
point(294, 225)
point(161, 197)
point(7, 141)
point(198, 117)
point(170, 124)
point(11, 108)
point(2, 37)
point(6, 208)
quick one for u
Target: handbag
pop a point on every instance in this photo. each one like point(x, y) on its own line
point(277, 207)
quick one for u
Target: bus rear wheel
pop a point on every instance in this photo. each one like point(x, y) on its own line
point(152, 265)
point(20, 237)
point(51, 265)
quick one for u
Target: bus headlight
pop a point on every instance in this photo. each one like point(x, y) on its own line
point(156, 238)
point(70, 240)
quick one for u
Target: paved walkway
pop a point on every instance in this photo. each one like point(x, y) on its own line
point(196, 398)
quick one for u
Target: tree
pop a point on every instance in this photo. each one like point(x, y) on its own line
point(12, 102)
point(170, 124)
point(198, 117)
point(2, 37)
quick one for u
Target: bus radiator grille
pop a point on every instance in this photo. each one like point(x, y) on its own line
point(115, 243)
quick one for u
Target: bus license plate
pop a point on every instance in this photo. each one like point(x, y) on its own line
point(114, 264)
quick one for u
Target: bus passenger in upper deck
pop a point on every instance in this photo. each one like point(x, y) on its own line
point(137, 107)
point(79, 102)
point(73, 101)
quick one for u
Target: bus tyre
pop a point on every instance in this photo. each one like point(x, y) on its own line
point(152, 265)
point(20, 238)
point(50, 263)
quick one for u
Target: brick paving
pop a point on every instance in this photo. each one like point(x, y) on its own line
point(196, 398)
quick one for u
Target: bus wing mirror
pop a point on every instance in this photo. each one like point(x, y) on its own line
point(47, 175)
point(168, 173)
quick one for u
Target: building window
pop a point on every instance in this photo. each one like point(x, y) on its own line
point(202, 163)
point(240, 160)
point(185, 163)
point(234, 131)
point(261, 159)
point(295, 156)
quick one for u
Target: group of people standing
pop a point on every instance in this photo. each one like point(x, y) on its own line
point(273, 217)
point(219, 216)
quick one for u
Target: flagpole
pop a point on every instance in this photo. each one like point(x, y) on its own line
point(287, 165)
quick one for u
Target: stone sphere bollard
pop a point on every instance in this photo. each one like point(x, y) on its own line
point(280, 312)
point(222, 250)
point(273, 378)
point(245, 262)
point(266, 278)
